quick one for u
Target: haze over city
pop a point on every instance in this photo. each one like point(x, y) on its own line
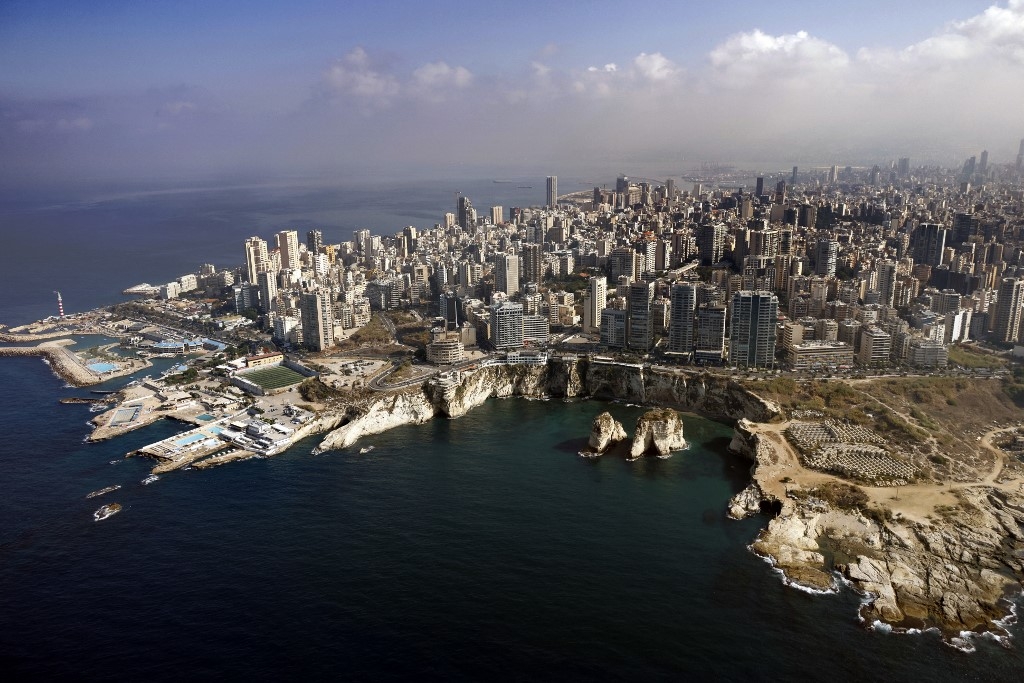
point(117, 91)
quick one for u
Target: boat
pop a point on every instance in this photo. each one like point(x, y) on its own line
point(108, 489)
point(106, 511)
point(525, 187)
point(366, 450)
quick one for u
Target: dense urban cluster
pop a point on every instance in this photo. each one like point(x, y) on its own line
point(827, 269)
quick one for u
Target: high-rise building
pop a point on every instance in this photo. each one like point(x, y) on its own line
point(257, 260)
point(533, 263)
point(710, 345)
point(552, 194)
point(886, 277)
point(506, 273)
point(1008, 310)
point(752, 329)
point(507, 325)
point(288, 245)
point(497, 215)
point(314, 240)
point(792, 178)
point(641, 322)
point(466, 213)
point(711, 242)
point(681, 317)
point(826, 255)
point(903, 167)
point(597, 295)
point(759, 188)
point(268, 291)
point(316, 311)
point(875, 347)
point(983, 166)
point(613, 328)
point(928, 243)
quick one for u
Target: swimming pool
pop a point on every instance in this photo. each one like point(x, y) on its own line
point(101, 367)
point(190, 439)
point(205, 417)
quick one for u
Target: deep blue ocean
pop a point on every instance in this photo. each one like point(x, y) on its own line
point(481, 548)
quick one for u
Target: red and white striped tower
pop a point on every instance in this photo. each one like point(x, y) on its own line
point(60, 304)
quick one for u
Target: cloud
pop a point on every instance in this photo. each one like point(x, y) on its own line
point(995, 34)
point(654, 67)
point(354, 76)
point(789, 59)
point(434, 82)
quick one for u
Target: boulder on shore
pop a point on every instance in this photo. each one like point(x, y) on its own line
point(658, 432)
point(605, 431)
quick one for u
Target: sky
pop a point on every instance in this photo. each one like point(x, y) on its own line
point(132, 91)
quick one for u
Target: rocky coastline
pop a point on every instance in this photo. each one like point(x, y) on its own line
point(948, 573)
point(951, 574)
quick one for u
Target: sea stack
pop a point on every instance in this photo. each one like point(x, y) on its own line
point(605, 431)
point(658, 432)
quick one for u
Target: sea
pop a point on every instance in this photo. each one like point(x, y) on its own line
point(480, 548)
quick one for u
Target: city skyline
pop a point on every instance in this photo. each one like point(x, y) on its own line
point(108, 92)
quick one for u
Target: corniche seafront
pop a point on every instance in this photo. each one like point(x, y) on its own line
point(394, 518)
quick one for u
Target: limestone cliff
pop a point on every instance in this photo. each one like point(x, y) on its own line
point(387, 412)
point(455, 394)
point(605, 431)
point(658, 432)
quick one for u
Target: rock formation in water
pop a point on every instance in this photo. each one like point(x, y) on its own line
point(658, 432)
point(605, 431)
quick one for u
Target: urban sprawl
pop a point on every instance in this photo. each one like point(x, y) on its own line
point(825, 270)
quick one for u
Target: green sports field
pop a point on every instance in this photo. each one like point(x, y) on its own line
point(274, 378)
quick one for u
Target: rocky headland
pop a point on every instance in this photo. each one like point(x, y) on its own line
point(951, 571)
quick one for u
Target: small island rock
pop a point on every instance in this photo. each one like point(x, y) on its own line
point(658, 432)
point(605, 431)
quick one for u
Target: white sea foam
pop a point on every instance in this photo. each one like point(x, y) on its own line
point(880, 626)
point(150, 479)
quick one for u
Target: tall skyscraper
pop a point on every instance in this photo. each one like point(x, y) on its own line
point(506, 273)
point(314, 240)
point(928, 243)
point(759, 189)
point(317, 314)
point(711, 242)
point(268, 291)
point(826, 255)
point(792, 178)
point(983, 166)
point(752, 329)
point(552, 194)
point(533, 261)
point(681, 317)
point(641, 322)
point(497, 215)
point(1008, 309)
point(466, 213)
point(903, 167)
point(597, 296)
point(288, 245)
point(257, 260)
